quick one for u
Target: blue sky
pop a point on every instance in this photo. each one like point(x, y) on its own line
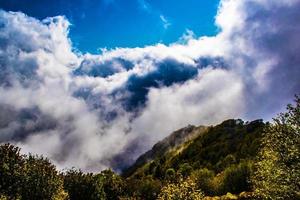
point(124, 23)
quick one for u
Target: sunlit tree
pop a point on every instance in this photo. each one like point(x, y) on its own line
point(12, 174)
point(277, 173)
point(184, 190)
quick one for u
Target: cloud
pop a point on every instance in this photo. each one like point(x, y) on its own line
point(165, 22)
point(98, 111)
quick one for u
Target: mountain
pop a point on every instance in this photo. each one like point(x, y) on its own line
point(221, 158)
point(173, 141)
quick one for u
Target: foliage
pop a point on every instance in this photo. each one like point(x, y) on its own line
point(203, 179)
point(184, 190)
point(146, 188)
point(42, 179)
point(185, 170)
point(12, 165)
point(113, 184)
point(218, 160)
point(82, 186)
point(170, 175)
point(28, 177)
point(237, 178)
point(278, 166)
point(3, 197)
point(149, 188)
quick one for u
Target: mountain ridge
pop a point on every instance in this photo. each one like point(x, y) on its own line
point(173, 140)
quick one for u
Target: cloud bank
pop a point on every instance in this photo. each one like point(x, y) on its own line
point(99, 111)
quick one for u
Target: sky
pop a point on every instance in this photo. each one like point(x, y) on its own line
point(89, 109)
point(109, 24)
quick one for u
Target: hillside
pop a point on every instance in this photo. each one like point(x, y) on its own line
point(214, 155)
point(173, 141)
point(202, 147)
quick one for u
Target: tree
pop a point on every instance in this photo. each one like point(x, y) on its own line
point(203, 179)
point(278, 166)
point(12, 165)
point(184, 190)
point(237, 178)
point(170, 175)
point(113, 184)
point(148, 188)
point(42, 179)
point(82, 186)
point(185, 170)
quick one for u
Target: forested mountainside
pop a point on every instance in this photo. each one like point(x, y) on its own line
point(219, 157)
point(232, 160)
point(173, 141)
point(214, 148)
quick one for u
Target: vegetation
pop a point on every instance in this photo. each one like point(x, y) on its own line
point(83, 186)
point(277, 173)
point(184, 190)
point(233, 160)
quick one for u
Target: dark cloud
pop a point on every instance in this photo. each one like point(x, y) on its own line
point(21, 124)
point(272, 62)
point(103, 69)
point(166, 73)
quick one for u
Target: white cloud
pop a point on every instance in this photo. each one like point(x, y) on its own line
point(165, 22)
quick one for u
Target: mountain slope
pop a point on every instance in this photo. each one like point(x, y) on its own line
point(171, 142)
point(219, 157)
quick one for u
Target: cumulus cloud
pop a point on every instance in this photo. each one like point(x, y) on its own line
point(98, 111)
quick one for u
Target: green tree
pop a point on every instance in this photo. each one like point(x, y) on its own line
point(237, 177)
point(42, 179)
point(82, 186)
point(185, 169)
point(184, 190)
point(170, 175)
point(148, 188)
point(12, 165)
point(278, 167)
point(203, 179)
point(113, 184)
